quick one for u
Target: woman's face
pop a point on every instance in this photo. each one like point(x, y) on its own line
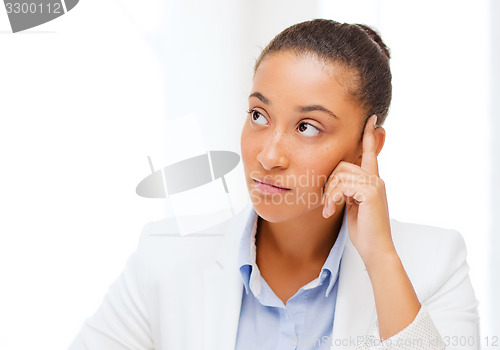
point(301, 123)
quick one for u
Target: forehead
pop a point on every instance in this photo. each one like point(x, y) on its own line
point(287, 77)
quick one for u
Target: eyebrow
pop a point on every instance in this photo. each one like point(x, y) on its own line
point(316, 108)
point(302, 109)
point(260, 97)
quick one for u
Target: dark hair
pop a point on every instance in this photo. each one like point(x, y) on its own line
point(355, 46)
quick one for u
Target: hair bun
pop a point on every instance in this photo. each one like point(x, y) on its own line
point(375, 37)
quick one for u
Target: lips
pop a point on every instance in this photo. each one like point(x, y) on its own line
point(271, 183)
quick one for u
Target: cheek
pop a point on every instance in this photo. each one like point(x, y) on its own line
point(314, 170)
point(317, 165)
point(342, 148)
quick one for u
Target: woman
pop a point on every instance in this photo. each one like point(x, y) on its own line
point(315, 261)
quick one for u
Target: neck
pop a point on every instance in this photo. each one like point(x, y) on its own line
point(303, 240)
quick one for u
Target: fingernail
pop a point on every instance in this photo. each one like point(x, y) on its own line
point(375, 120)
point(330, 208)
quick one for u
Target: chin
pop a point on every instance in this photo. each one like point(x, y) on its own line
point(280, 212)
point(272, 212)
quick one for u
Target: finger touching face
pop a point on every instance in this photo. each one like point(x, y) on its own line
point(372, 143)
point(301, 123)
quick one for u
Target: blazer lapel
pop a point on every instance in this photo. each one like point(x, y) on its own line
point(223, 289)
point(355, 312)
point(221, 309)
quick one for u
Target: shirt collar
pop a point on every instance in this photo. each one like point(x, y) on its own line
point(247, 256)
point(247, 251)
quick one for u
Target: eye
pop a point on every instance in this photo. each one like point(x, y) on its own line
point(257, 117)
point(307, 129)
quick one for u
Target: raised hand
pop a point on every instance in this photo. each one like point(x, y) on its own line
point(366, 203)
point(369, 230)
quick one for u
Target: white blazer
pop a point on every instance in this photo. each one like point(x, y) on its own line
point(185, 292)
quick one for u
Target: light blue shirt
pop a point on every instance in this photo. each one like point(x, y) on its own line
point(306, 321)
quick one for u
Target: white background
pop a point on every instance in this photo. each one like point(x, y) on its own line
point(84, 100)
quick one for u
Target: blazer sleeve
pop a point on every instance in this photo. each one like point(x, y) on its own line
point(121, 322)
point(448, 317)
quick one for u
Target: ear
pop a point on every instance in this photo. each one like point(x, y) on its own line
point(379, 134)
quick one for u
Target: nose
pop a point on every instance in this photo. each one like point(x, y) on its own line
point(273, 153)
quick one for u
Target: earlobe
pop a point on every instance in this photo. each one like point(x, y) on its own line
point(379, 134)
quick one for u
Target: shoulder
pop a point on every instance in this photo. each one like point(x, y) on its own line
point(423, 238)
point(430, 255)
point(164, 251)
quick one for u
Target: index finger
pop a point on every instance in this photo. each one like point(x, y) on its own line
point(369, 156)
